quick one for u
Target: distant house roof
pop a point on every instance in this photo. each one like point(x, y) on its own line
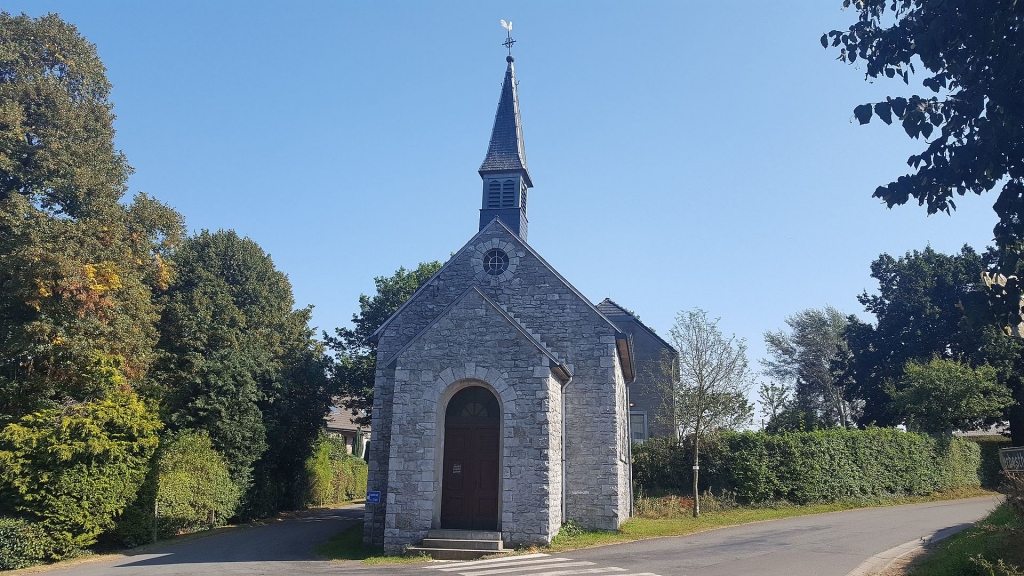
point(617, 313)
point(342, 420)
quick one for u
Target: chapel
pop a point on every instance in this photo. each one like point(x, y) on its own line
point(501, 403)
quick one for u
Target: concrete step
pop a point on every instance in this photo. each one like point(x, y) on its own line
point(450, 553)
point(464, 534)
point(492, 545)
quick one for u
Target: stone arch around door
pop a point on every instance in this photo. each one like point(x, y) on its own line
point(504, 399)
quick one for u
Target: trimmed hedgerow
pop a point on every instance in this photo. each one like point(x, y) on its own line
point(991, 470)
point(819, 466)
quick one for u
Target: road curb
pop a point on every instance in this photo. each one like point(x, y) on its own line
point(881, 561)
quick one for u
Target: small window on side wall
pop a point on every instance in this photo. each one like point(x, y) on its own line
point(638, 426)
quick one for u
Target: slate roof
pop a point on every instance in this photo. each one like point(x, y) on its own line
point(341, 418)
point(609, 308)
point(615, 312)
point(506, 152)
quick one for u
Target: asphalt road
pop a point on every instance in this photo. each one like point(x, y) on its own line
point(824, 544)
point(276, 547)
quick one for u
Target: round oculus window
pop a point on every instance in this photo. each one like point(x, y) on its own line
point(495, 262)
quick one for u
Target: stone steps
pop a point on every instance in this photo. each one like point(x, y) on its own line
point(459, 544)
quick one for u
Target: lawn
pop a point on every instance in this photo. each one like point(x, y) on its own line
point(348, 545)
point(658, 522)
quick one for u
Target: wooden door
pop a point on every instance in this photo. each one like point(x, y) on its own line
point(469, 489)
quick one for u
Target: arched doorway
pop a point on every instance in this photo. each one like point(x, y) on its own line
point(469, 485)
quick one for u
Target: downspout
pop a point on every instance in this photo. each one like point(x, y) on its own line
point(565, 474)
point(629, 443)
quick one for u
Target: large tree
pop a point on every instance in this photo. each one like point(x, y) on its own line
point(238, 361)
point(805, 357)
point(355, 356)
point(972, 54)
point(708, 384)
point(78, 268)
point(921, 311)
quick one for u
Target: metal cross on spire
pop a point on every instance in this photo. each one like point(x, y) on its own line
point(509, 41)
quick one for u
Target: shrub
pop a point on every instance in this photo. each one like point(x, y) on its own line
point(818, 466)
point(188, 483)
point(22, 543)
point(71, 470)
point(334, 474)
point(665, 465)
point(194, 486)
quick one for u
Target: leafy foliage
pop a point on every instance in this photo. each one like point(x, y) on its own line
point(820, 466)
point(22, 543)
point(972, 52)
point(236, 361)
point(921, 310)
point(101, 300)
point(773, 397)
point(806, 357)
point(334, 474)
point(991, 469)
point(355, 355)
point(195, 488)
point(943, 395)
point(708, 386)
point(77, 267)
point(73, 469)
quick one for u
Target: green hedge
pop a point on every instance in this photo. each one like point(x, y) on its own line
point(990, 466)
point(22, 543)
point(334, 474)
point(819, 466)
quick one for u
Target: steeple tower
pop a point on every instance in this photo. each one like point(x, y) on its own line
point(505, 177)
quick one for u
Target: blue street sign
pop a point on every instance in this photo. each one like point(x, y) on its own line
point(373, 497)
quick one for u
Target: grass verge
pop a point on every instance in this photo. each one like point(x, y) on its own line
point(999, 538)
point(348, 545)
point(643, 528)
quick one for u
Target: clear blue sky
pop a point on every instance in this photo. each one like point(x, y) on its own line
point(683, 154)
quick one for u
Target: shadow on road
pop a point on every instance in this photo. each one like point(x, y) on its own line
point(282, 540)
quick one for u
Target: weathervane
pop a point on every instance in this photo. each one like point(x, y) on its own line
point(508, 41)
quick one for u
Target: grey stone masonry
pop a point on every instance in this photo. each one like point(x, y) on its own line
point(520, 333)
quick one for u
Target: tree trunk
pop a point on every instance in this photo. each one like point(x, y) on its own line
point(696, 472)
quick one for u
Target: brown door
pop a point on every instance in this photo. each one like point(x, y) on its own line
point(469, 489)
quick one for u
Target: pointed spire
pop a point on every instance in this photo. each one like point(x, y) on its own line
point(506, 152)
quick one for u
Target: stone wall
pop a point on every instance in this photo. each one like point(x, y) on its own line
point(568, 326)
point(427, 375)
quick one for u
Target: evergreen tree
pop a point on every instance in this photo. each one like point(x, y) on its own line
point(237, 362)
